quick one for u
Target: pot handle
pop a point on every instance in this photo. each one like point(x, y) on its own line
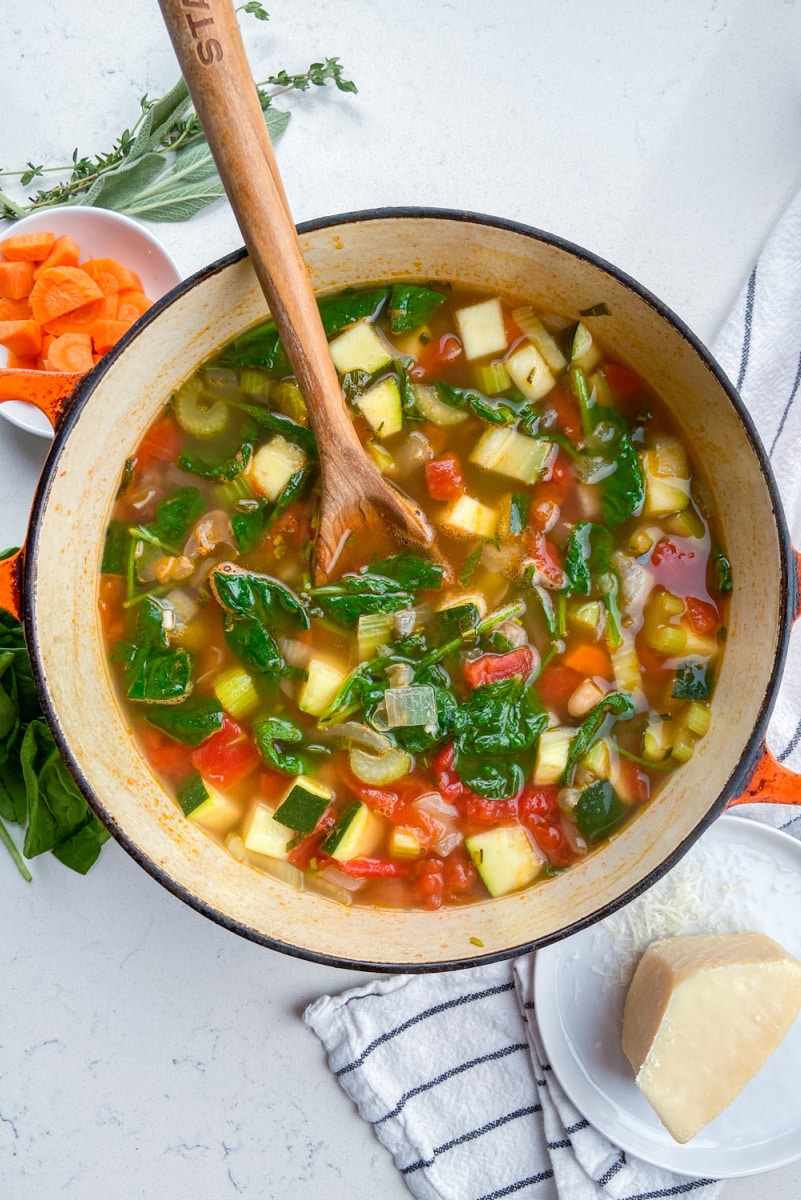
point(771, 782)
point(51, 392)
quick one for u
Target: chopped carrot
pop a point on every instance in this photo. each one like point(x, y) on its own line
point(15, 310)
point(105, 333)
point(22, 364)
point(80, 320)
point(133, 303)
point(27, 247)
point(65, 253)
point(16, 279)
point(111, 276)
point(21, 337)
point(589, 659)
point(59, 290)
point(70, 352)
point(58, 314)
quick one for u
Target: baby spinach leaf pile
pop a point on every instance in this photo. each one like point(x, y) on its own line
point(37, 791)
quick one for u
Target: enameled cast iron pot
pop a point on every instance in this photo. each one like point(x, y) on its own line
point(99, 427)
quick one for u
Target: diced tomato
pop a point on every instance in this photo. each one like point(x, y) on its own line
point(227, 756)
point(303, 855)
point(556, 685)
point(568, 413)
point(448, 782)
point(428, 885)
point(702, 616)
point(625, 383)
point(485, 811)
point(491, 668)
point(375, 868)
point(677, 567)
point(543, 555)
point(444, 478)
point(112, 592)
point(539, 810)
point(438, 354)
point(169, 757)
point(458, 874)
point(633, 780)
point(162, 443)
point(293, 526)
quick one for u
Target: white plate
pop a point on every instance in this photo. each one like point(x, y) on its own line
point(99, 233)
point(743, 876)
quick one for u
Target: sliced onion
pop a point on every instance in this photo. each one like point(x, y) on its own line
point(362, 735)
point(296, 653)
point(415, 451)
point(407, 706)
point(380, 769)
point(213, 529)
point(351, 883)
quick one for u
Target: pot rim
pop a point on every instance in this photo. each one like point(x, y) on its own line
point(750, 751)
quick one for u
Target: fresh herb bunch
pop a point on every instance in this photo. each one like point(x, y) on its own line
point(36, 789)
point(161, 169)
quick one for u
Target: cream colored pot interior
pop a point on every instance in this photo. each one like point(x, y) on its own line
point(67, 550)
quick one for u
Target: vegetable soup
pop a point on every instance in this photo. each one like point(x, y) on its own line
point(422, 731)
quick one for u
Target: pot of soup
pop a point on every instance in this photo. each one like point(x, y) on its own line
point(431, 760)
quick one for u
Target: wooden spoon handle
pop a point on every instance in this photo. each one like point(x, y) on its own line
point(210, 51)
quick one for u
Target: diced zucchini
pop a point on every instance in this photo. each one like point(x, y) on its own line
point(685, 524)
point(192, 793)
point(511, 453)
point(460, 616)
point(357, 833)
point(469, 516)
point(597, 760)
point(429, 405)
point(505, 858)
point(671, 456)
point(374, 631)
point(403, 843)
point(236, 692)
point(303, 805)
point(641, 542)
point(514, 513)
point(663, 493)
point(360, 348)
point(382, 408)
point(273, 465)
point(683, 746)
point(323, 681)
point(530, 372)
point(696, 718)
point(381, 457)
point(492, 378)
point(599, 811)
point(217, 813)
point(553, 747)
point(698, 644)
point(545, 342)
point(288, 399)
point(584, 351)
point(585, 616)
point(265, 835)
point(482, 329)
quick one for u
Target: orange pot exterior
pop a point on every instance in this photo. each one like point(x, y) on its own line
point(121, 397)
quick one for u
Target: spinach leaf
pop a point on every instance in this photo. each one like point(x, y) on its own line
point(363, 690)
point(56, 809)
point(499, 718)
point(721, 572)
point(617, 704)
point(115, 549)
point(358, 595)
point(193, 460)
point(176, 514)
point(693, 681)
point(255, 607)
point(269, 736)
point(607, 436)
point(247, 525)
point(589, 551)
point(493, 778)
point(278, 423)
point(153, 672)
point(298, 487)
point(190, 722)
point(411, 571)
point(352, 304)
point(80, 851)
point(497, 411)
point(410, 306)
point(599, 811)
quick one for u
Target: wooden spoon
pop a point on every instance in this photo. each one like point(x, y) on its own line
point(356, 502)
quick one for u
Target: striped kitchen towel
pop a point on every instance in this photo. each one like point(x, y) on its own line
point(449, 1067)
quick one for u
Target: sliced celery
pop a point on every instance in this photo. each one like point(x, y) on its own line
point(236, 692)
point(492, 378)
point(373, 632)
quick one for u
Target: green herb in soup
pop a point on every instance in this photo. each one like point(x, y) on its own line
point(418, 732)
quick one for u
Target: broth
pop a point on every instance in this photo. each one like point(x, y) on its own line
point(420, 731)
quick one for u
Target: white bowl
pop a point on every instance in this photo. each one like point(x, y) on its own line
point(100, 233)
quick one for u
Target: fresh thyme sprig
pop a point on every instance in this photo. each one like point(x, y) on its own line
point(161, 168)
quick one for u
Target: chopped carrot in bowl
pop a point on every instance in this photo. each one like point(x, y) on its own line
point(58, 313)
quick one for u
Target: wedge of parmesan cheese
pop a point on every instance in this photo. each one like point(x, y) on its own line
point(703, 1014)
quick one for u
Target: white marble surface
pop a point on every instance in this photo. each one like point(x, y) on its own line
point(143, 1050)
